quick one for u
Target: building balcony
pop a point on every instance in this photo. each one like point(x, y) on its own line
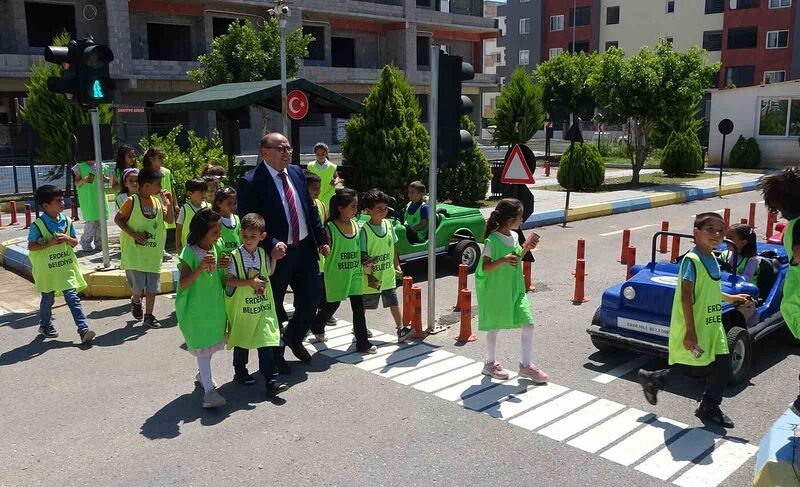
point(388, 9)
point(18, 65)
point(167, 70)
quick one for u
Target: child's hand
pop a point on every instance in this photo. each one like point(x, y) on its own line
point(90, 178)
point(739, 299)
point(325, 250)
point(59, 238)
point(690, 340)
point(510, 259)
point(531, 242)
point(225, 261)
point(140, 237)
point(398, 272)
point(257, 284)
point(165, 197)
point(208, 262)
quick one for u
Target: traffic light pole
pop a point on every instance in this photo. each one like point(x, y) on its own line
point(433, 121)
point(101, 187)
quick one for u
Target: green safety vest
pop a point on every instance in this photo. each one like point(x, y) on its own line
point(87, 192)
point(187, 219)
point(322, 209)
point(343, 267)
point(742, 265)
point(252, 320)
point(147, 257)
point(55, 268)
point(382, 250)
point(166, 185)
point(502, 302)
point(707, 312)
point(230, 238)
point(326, 174)
point(414, 219)
point(790, 304)
point(201, 307)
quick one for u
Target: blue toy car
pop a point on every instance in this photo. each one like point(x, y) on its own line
point(635, 315)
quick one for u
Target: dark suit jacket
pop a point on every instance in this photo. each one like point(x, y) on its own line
point(257, 193)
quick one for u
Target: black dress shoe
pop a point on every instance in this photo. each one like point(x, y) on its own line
point(713, 414)
point(244, 378)
point(283, 366)
point(275, 387)
point(299, 351)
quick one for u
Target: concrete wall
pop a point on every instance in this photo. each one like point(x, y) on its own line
point(138, 31)
point(742, 106)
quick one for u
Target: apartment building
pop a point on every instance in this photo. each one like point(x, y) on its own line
point(755, 40)
point(156, 42)
point(493, 58)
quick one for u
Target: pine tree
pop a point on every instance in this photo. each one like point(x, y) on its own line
point(519, 113)
point(387, 143)
point(466, 184)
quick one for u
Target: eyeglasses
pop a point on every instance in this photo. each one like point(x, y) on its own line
point(281, 148)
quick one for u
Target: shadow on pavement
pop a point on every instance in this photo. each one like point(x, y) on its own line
point(38, 346)
point(19, 321)
point(114, 312)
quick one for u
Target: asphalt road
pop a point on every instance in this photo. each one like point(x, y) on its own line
point(125, 411)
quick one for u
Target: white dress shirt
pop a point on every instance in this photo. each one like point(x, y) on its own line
point(301, 217)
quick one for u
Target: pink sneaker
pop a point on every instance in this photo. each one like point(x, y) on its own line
point(495, 370)
point(533, 373)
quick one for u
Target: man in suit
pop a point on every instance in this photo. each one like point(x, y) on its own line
point(277, 191)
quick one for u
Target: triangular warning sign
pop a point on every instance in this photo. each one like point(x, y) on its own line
point(516, 170)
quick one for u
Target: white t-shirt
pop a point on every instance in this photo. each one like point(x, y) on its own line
point(182, 213)
point(509, 240)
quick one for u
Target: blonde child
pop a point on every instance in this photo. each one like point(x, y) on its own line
point(343, 271)
point(200, 300)
point(154, 158)
point(231, 234)
point(502, 301)
point(252, 320)
point(195, 200)
point(143, 221)
point(129, 186)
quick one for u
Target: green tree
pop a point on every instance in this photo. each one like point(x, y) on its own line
point(387, 143)
point(565, 83)
point(582, 170)
point(682, 154)
point(466, 183)
point(656, 86)
point(745, 153)
point(518, 113)
point(52, 115)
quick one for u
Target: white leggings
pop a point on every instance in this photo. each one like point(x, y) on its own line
point(206, 379)
point(527, 345)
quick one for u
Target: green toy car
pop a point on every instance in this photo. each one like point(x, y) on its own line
point(457, 231)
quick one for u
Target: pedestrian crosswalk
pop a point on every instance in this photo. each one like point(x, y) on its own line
point(659, 447)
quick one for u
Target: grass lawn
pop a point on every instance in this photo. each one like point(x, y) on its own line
point(649, 163)
point(645, 181)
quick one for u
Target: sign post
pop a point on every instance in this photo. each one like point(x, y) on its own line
point(725, 128)
point(432, 181)
point(101, 186)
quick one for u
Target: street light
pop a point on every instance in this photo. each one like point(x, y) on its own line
point(281, 11)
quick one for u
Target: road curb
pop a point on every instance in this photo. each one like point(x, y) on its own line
point(552, 217)
point(99, 283)
point(777, 457)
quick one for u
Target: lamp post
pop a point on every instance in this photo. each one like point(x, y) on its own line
point(281, 11)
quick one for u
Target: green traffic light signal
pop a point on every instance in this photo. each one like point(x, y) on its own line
point(97, 90)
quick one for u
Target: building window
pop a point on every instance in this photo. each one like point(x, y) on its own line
point(556, 23)
point(780, 3)
point(612, 15)
point(501, 24)
point(423, 51)
point(219, 26)
point(712, 40)
point(742, 4)
point(740, 76)
point(670, 6)
point(743, 38)
point(316, 48)
point(45, 21)
point(580, 16)
point(580, 46)
point(610, 44)
point(343, 52)
point(169, 42)
point(670, 40)
point(777, 39)
point(524, 26)
point(774, 77)
point(555, 52)
point(715, 6)
point(779, 117)
point(498, 58)
point(524, 57)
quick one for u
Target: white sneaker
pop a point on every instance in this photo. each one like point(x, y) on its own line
point(213, 399)
point(371, 350)
point(198, 381)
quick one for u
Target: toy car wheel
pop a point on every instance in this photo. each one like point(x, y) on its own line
point(600, 344)
point(466, 252)
point(741, 349)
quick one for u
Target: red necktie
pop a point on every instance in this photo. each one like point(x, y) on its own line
point(294, 223)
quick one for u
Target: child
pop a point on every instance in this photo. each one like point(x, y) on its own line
point(744, 237)
point(126, 159)
point(314, 184)
point(343, 273)
point(55, 267)
point(86, 186)
point(500, 288)
point(154, 157)
point(143, 221)
point(380, 259)
point(231, 234)
point(252, 321)
point(781, 192)
point(200, 300)
point(326, 170)
point(195, 200)
point(129, 186)
point(415, 216)
point(213, 176)
point(697, 338)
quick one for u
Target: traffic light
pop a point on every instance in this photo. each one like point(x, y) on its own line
point(86, 77)
point(451, 139)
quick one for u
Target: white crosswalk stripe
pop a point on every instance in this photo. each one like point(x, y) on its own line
point(659, 447)
point(623, 369)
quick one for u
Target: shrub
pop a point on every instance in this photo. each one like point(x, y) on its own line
point(745, 153)
point(582, 171)
point(682, 155)
point(466, 184)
